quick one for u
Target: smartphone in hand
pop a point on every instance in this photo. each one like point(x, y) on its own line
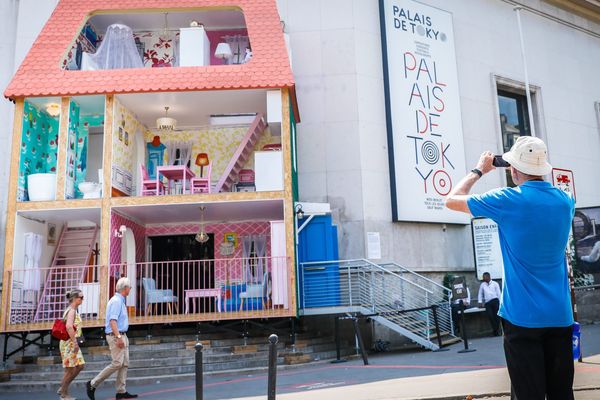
point(499, 162)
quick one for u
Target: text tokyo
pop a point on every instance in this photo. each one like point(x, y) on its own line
point(426, 98)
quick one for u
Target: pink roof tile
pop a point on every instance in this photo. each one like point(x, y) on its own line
point(41, 75)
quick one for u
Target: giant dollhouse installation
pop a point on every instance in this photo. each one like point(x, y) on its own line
point(157, 143)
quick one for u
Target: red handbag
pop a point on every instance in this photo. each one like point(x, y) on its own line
point(59, 330)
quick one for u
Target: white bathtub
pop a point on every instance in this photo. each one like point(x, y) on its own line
point(41, 187)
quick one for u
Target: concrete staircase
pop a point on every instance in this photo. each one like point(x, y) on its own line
point(172, 358)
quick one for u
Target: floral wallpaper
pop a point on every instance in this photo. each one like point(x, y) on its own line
point(125, 126)
point(157, 49)
point(38, 146)
point(218, 142)
point(72, 149)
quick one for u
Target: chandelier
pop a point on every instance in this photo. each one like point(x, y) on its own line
point(166, 123)
point(202, 236)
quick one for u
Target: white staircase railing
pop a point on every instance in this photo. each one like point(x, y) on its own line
point(394, 296)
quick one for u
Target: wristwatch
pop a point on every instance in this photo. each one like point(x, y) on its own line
point(477, 171)
point(119, 336)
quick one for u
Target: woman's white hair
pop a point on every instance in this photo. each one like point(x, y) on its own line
point(122, 284)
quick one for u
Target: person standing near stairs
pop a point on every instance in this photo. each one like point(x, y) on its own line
point(117, 323)
point(72, 359)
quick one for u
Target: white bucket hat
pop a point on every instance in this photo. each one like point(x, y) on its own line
point(529, 155)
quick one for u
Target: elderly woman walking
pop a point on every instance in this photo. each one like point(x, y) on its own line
point(72, 358)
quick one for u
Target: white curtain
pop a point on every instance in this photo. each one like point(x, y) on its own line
point(185, 152)
point(260, 246)
point(117, 50)
point(246, 248)
point(238, 44)
point(33, 253)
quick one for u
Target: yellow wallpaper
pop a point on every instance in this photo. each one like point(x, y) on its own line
point(218, 142)
point(125, 126)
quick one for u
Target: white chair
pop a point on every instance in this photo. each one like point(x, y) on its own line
point(260, 291)
point(154, 296)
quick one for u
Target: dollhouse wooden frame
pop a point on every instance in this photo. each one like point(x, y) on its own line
point(41, 75)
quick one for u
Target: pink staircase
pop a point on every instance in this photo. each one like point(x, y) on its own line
point(67, 271)
point(241, 155)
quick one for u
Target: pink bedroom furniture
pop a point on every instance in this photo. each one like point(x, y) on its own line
point(150, 187)
point(201, 184)
point(174, 173)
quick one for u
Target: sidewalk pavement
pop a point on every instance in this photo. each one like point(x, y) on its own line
point(450, 386)
point(411, 375)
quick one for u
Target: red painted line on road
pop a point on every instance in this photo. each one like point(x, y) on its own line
point(332, 367)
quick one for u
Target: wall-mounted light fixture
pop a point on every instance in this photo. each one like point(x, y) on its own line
point(120, 232)
point(53, 109)
point(299, 211)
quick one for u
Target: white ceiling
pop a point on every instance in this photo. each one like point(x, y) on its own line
point(88, 104)
point(192, 109)
point(263, 210)
point(212, 19)
point(64, 215)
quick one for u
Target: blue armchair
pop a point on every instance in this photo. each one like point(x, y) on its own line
point(154, 296)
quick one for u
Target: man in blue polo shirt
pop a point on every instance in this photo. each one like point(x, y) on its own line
point(534, 220)
point(117, 324)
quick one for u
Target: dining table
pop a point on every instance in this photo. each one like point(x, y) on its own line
point(174, 173)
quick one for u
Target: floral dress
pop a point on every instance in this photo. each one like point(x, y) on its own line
point(70, 358)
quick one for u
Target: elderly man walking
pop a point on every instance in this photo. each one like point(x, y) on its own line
point(533, 220)
point(117, 323)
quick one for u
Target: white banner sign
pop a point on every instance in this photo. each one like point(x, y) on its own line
point(486, 244)
point(423, 112)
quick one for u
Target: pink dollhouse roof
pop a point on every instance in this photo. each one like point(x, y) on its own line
point(41, 74)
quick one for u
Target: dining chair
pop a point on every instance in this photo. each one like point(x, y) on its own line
point(201, 184)
point(149, 186)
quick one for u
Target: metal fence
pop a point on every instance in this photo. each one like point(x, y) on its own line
point(402, 299)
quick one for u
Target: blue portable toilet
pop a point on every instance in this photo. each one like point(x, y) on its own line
point(317, 242)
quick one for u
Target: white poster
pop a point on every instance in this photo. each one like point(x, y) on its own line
point(486, 244)
point(373, 246)
point(423, 110)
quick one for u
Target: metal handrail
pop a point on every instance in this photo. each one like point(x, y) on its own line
point(371, 289)
point(419, 276)
point(371, 264)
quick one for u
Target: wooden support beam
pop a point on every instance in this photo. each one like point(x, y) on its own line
point(11, 212)
point(103, 269)
point(288, 207)
point(61, 150)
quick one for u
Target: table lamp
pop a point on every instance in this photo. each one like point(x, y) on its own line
point(202, 161)
point(223, 52)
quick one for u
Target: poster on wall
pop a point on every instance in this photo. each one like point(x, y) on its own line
point(425, 140)
point(486, 247)
point(586, 236)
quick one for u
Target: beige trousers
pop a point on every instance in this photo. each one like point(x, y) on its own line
point(119, 364)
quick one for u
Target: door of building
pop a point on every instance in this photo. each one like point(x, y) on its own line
point(181, 263)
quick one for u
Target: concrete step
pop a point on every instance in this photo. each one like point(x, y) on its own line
point(146, 375)
point(38, 386)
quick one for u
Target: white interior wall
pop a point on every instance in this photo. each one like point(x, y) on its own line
point(94, 157)
point(24, 225)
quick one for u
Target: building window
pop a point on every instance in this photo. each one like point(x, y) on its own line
point(514, 121)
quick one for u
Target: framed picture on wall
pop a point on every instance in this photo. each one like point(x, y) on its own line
point(126, 139)
point(231, 237)
point(51, 234)
point(121, 134)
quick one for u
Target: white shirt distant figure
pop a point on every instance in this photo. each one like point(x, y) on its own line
point(489, 290)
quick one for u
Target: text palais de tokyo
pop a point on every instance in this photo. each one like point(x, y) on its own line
point(416, 23)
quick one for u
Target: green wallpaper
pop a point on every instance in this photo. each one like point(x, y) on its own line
point(38, 146)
